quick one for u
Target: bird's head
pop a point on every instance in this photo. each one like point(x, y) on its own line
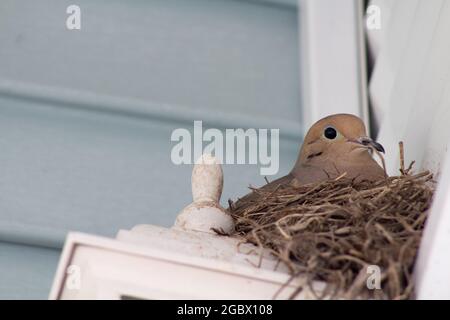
point(337, 136)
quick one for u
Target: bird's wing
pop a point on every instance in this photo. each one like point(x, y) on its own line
point(254, 196)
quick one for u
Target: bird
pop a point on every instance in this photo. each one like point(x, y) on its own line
point(335, 145)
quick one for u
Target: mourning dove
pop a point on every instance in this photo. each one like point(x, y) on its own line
point(334, 145)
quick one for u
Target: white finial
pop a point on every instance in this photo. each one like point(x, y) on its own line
point(207, 179)
point(205, 212)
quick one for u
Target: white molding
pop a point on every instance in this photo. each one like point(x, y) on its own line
point(110, 268)
point(333, 59)
point(376, 38)
point(411, 86)
point(410, 95)
point(390, 47)
point(432, 274)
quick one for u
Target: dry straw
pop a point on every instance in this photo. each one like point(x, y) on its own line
point(333, 230)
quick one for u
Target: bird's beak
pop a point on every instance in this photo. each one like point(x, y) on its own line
point(366, 141)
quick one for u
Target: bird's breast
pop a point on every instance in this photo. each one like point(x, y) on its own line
point(369, 170)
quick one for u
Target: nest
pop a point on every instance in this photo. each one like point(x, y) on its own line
point(335, 230)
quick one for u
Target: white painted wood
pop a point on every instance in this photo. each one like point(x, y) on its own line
point(418, 88)
point(410, 95)
point(393, 38)
point(432, 274)
point(333, 59)
point(377, 37)
point(198, 244)
point(111, 269)
point(433, 264)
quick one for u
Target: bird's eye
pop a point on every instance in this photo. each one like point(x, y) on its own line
point(330, 133)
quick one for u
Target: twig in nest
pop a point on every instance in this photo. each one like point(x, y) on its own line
point(402, 157)
point(404, 171)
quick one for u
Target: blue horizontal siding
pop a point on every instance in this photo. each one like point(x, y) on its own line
point(235, 57)
point(26, 272)
point(86, 117)
point(67, 169)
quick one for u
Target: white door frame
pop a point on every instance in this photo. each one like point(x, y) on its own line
point(332, 49)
